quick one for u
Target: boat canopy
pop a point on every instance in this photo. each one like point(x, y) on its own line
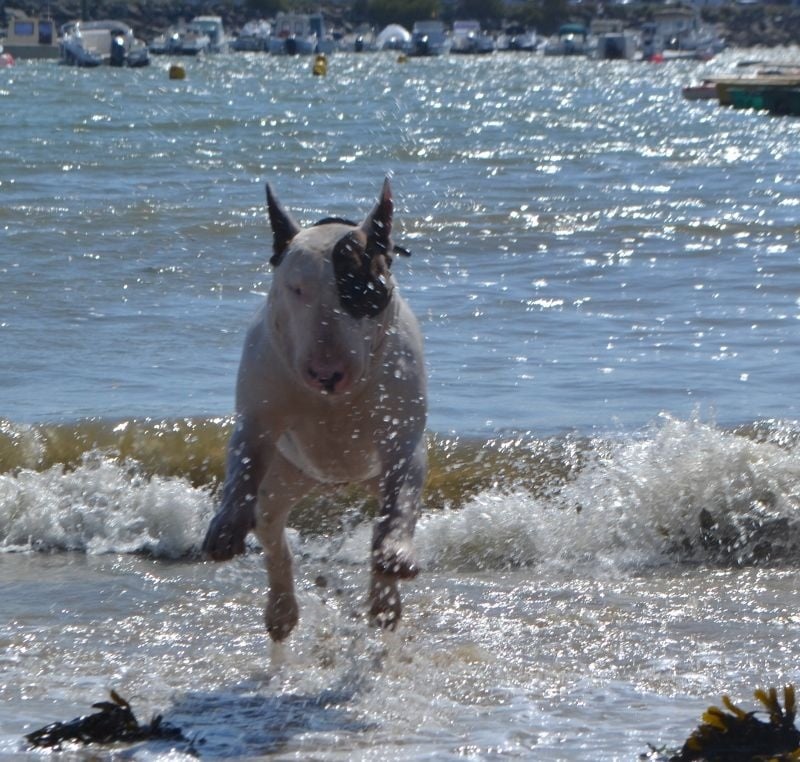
point(393, 32)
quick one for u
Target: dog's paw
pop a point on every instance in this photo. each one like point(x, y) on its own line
point(281, 615)
point(395, 560)
point(225, 537)
point(385, 605)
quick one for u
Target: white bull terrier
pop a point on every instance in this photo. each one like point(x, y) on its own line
point(331, 390)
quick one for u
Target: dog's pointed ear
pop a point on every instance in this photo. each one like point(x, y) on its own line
point(284, 228)
point(378, 224)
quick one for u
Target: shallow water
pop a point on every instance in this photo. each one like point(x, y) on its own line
point(607, 282)
point(585, 664)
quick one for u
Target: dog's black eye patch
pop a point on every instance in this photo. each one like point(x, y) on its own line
point(361, 280)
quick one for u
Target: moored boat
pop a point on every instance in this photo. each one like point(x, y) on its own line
point(393, 37)
point(704, 91)
point(203, 34)
point(94, 43)
point(570, 41)
point(300, 34)
point(612, 41)
point(782, 101)
point(360, 40)
point(746, 98)
point(678, 32)
point(726, 85)
point(211, 27)
point(517, 38)
point(30, 36)
point(253, 37)
point(180, 41)
point(428, 38)
point(470, 39)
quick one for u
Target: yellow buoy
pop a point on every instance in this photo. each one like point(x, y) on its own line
point(320, 65)
point(176, 71)
point(402, 58)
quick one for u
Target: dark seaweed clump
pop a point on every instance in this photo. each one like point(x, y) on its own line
point(114, 723)
point(739, 736)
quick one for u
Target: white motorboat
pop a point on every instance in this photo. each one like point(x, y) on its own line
point(470, 39)
point(612, 41)
point(428, 38)
point(361, 40)
point(94, 43)
point(518, 38)
point(203, 34)
point(678, 32)
point(253, 37)
point(163, 43)
point(300, 34)
point(571, 41)
point(615, 46)
point(211, 27)
point(181, 41)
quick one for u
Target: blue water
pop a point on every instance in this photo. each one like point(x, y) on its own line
point(589, 250)
point(608, 283)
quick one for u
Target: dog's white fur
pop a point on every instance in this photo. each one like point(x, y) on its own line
point(326, 397)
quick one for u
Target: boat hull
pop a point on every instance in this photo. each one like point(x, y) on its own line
point(782, 101)
point(29, 52)
point(700, 92)
point(293, 46)
point(725, 85)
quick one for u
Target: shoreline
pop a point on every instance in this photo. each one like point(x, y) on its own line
point(741, 26)
point(748, 26)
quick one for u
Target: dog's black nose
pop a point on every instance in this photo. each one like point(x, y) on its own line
point(327, 383)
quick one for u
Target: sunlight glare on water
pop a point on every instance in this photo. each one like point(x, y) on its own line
point(607, 282)
point(591, 238)
point(596, 180)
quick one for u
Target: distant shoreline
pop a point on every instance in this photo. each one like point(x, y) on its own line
point(741, 26)
point(746, 26)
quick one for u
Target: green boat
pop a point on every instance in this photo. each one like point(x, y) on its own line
point(745, 97)
point(724, 85)
point(782, 101)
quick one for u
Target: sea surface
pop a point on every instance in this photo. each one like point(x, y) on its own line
point(608, 283)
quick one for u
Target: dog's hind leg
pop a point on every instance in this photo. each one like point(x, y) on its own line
point(393, 555)
point(283, 485)
point(248, 456)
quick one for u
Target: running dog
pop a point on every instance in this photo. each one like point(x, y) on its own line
point(331, 390)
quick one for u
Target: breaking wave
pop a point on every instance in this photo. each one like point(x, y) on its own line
point(677, 492)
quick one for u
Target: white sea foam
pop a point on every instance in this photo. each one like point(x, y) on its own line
point(684, 491)
point(99, 507)
point(681, 491)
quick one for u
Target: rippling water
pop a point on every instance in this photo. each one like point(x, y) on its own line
point(589, 249)
point(608, 283)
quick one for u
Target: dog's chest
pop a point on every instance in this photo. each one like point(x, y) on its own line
point(331, 454)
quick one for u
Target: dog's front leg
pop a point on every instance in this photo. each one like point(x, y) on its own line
point(393, 555)
point(282, 486)
point(248, 456)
